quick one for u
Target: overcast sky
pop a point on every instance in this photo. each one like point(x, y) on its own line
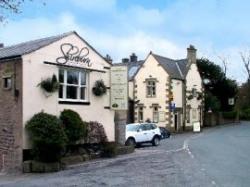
point(120, 27)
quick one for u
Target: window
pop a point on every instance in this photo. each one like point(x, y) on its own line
point(151, 88)
point(7, 83)
point(188, 115)
point(194, 114)
point(73, 85)
point(140, 114)
point(155, 114)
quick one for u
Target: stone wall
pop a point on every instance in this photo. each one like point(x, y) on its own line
point(11, 116)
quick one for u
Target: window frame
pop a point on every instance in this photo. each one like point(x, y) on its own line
point(149, 88)
point(4, 78)
point(155, 114)
point(140, 113)
point(65, 84)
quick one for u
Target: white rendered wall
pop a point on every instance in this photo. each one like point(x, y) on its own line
point(34, 100)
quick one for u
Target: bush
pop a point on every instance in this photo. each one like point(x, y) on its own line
point(245, 114)
point(96, 133)
point(109, 149)
point(74, 127)
point(47, 136)
point(229, 115)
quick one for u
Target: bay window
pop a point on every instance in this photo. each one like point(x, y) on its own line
point(73, 85)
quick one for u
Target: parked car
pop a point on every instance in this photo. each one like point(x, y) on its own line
point(164, 133)
point(137, 133)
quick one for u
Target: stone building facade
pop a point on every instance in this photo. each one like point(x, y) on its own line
point(11, 114)
point(166, 91)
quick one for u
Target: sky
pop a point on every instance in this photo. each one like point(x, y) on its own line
point(219, 29)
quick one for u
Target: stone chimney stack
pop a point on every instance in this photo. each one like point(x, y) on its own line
point(191, 54)
point(133, 57)
point(108, 58)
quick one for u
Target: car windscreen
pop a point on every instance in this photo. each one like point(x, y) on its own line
point(132, 127)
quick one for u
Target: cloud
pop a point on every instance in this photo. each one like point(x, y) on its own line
point(116, 45)
point(95, 5)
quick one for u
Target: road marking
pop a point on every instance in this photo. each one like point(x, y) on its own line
point(213, 183)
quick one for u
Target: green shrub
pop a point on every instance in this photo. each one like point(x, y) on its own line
point(109, 149)
point(74, 127)
point(229, 115)
point(47, 136)
point(245, 114)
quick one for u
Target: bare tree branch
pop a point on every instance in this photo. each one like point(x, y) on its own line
point(225, 63)
point(245, 57)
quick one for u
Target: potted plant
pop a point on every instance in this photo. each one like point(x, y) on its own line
point(99, 88)
point(49, 85)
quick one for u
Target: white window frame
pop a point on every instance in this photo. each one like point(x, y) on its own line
point(79, 86)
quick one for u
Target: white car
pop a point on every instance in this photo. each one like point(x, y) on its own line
point(137, 133)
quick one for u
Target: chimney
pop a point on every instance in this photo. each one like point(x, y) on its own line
point(191, 54)
point(125, 60)
point(133, 57)
point(108, 58)
point(1, 45)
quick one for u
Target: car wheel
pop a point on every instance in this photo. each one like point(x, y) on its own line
point(131, 142)
point(156, 141)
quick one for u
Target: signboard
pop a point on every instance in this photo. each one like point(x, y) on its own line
point(231, 101)
point(70, 55)
point(119, 88)
point(196, 127)
point(172, 106)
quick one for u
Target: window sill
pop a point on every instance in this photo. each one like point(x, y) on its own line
point(74, 102)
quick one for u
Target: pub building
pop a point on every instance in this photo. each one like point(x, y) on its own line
point(77, 66)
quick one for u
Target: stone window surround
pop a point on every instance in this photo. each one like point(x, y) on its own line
point(146, 81)
point(4, 77)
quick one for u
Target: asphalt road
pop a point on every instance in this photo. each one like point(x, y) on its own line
point(216, 157)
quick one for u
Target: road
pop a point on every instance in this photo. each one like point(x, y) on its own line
point(218, 156)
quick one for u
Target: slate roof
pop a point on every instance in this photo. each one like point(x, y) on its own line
point(30, 46)
point(177, 69)
point(133, 68)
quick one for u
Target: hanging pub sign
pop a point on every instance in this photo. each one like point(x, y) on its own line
point(119, 88)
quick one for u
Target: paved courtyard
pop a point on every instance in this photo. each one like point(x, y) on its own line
point(216, 157)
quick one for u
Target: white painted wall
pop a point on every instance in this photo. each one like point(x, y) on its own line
point(34, 100)
point(152, 69)
point(193, 80)
point(177, 89)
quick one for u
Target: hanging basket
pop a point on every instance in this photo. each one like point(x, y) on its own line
point(99, 88)
point(49, 85)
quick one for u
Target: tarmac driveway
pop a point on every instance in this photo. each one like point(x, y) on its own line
point(183, 160)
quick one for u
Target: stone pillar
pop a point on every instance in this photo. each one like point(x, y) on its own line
point(120, 126)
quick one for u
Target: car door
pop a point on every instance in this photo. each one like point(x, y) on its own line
point(149, 133)
point(140, 136)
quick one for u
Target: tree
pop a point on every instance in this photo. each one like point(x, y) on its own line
point(224, 62)
point(9, 7)
point(218, 88)
point(245, 57)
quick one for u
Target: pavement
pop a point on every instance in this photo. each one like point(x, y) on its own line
point(217, 156)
